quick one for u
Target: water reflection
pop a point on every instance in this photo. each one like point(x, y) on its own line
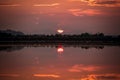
point(10, 48)
point(59, 47)
point(41, 62)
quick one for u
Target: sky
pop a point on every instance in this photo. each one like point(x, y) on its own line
point(73, 16)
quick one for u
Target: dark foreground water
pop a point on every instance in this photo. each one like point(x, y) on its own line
point(59, 63)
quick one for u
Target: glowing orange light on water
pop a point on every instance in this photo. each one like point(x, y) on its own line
point(60, 50)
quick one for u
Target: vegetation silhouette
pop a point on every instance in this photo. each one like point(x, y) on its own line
point(16, 37)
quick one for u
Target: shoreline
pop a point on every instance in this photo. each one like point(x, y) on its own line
point(58, 43)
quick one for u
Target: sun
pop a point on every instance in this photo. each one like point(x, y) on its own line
point(60, 31)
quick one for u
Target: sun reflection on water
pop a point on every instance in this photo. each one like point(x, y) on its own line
point(60, 50)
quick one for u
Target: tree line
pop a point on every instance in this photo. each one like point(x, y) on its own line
point(14, 36)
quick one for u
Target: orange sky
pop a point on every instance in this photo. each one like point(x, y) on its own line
point(85, 15)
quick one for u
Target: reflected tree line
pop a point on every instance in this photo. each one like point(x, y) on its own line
point(10, 48)
point(10, 36)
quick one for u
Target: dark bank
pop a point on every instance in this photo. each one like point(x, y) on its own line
point(16, 37)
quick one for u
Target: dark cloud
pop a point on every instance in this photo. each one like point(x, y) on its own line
point(108, 77)
point(107, 2)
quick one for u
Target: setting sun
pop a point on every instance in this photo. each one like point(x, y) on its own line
point(60, 31)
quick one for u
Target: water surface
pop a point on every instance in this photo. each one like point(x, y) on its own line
point(59, 63)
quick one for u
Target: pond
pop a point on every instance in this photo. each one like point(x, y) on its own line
point(59, 62)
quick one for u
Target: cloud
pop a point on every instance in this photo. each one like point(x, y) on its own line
point(104, 3)
point(81, 0)
point(102, 77)
point(90, 77)
point(73, 0)
point(81, 68)
point(107, 2)
point(46, 5)
point(9, 5)
point(88, 12)
point(46, 75)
